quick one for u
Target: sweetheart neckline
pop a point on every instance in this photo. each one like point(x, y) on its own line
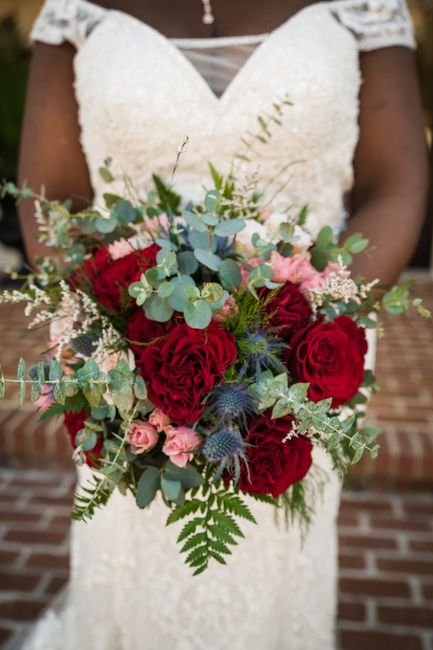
point(242, 73)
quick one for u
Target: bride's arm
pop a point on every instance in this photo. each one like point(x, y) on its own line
point(51, 154)
point(391, 173)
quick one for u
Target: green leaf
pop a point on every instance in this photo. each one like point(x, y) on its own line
point(208, 259)
point(158, 309)
point(230, 274)
point(169, 201)
point(186, 509)
point(194, 221)
point(197, 314)
point(324, 237)
point(212, 292)
point(140, 390)
point(188, 476)
point(211, 200)
point(171, 489)
point(178, 298)
point(60, 392)
point(165, 289)
point(55, 370)
point(210, 219)
point(105, 225)
point(286, 231)
point(148, 486)
point(21, 372)
point(52, 411)
point(216, 177)
point(302, 216)
point(106, 175)
point(187, 262)
point(229, 227)
point(124, 211)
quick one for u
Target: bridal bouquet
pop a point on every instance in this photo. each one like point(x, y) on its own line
point(199, 353)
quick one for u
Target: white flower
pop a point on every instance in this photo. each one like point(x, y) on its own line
point(243, 239)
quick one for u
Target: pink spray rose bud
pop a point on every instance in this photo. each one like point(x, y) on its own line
point(142, 436)
point(180, 443)
point(159, 420)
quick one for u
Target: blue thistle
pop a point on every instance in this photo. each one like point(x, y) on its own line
point(84, 344)
point(231, 401)
point(261, 353)
point(227, 448)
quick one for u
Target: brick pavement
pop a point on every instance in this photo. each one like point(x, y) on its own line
point(386, 560)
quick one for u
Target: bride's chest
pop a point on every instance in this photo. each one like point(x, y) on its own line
point(137, 91)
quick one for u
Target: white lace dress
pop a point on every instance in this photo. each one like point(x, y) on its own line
point(139, 95)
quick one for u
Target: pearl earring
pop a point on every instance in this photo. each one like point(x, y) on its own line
point(208, 17)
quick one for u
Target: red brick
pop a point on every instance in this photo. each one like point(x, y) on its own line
point(345, 519)
point(21, 610)
point(423, 546)
point(56, 584)
point(371, 640)
point(13, 581)
point(351, 611)
point(34, 536)
point(407, 615)
point(61, 521)
point(374, 587)
point(368, 505)
point(363, 541)
point(52, 500)
point(405, 566)
point(48, 561)
point(351, 562)
point(5, 634)
point(22, 516)
point(427, 591)
point(8, 557)
point(403, 524)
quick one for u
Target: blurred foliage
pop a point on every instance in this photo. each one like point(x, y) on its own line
point(14, 58)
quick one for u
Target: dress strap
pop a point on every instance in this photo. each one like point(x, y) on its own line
point(66, 20)
point(376, 23)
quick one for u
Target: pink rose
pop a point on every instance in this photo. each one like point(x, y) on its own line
point(142, 436)
point(245, 274)
point(157, 224)
point(159, 420)
point(297, 269)
point(119, 249)
point(180, 443)
point(229, 308)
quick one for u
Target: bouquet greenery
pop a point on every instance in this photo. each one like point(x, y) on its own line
point(198, 352)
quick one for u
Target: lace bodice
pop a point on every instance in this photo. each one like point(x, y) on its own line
point(129, 114)
point(139, 95)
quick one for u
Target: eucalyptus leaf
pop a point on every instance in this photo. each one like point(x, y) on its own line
point(124, 211)
point(230, 274)
point(148, 486)
point(158, 309)
point(208, 259)
point(170, 489)
point(194, 221)
point(198, 315)
point(229, 227)
point(187, 262)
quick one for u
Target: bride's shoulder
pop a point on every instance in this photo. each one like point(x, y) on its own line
point(375, 23)
point(71, 21)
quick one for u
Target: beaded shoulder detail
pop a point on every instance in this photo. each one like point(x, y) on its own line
point(66, 20)
point(376, 23)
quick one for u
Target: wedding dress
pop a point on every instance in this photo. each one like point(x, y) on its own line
point(140, 94)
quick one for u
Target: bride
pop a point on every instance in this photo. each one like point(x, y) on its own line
point(130, 80)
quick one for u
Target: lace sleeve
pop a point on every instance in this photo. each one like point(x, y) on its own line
point(66, 20)
point(376, 23)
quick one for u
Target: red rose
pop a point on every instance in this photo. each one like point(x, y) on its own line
point(291, 310)
point(86, 274)
point(330, 357)
point(143, 330)
point(111, 285)
point(274, 465)
point(182, 368)
point(74, 422)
